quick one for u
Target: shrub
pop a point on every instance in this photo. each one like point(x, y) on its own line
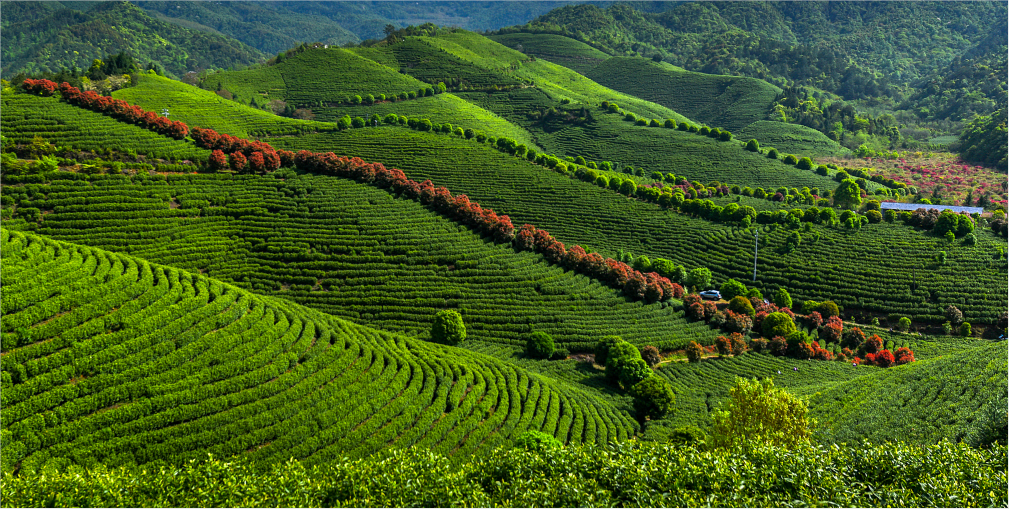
point(448, 327)
point(853, 338)
point(903, 356)
point(742, 305)
point(884, 359)
point(537, 441)
point(753, 145)
point(620, 354)
point(790, 160)
point(804, 164)
point(758, 412)
point(828, 309)
point(833, 329)
point(633, 371)
point(778, 346)
point(218, 161)
point(965, 329)
point(699, 277)
point(954, 315)
point(815, 319)
point(540, 345)
point(651, 356)
point(904, 324)
point(732, 288)
point(782, 298)
point(653, 397)
point(694, 352)
point(723, 345)
point(602, 350)
point(759, 345)
point(873, 344)
point(777, 324)
point(738, 343)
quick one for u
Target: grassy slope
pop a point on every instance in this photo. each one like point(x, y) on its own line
point(356, 252)
point(202, 108)
point(792, 139)
point(729, 102)
point(26, 116)
point(125, 361)
point(326, 75)
point(558, 49)
point(440, 108)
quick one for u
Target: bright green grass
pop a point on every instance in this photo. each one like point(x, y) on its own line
point(23, 116)
point(558, 49)
point(792, 139)
point(417, 58)
point(872, 269)
point(317, 75)
point(260, 83)
point(549, 45)
point(352, 251)
point(440, 108)
point(111, 360)
point(729, 102)
point(202, 108)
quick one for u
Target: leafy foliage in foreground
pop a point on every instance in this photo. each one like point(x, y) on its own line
point(880, 474)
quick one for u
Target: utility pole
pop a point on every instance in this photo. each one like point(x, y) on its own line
point(756, 237)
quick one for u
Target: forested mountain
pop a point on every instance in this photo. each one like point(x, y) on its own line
point(44, 36)
point(858, 50)
point(276, 26)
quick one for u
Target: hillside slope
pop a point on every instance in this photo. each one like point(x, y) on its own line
point(116, 361)
point(349, 250)
point(729, 102)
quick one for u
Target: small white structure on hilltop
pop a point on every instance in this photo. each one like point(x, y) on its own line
point(915, 206)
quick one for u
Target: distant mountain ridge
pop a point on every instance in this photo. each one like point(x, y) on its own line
point(48, 36)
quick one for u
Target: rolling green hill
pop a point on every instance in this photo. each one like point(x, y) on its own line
point(312, 77)
point(42, 37)
point(729, 102)
point(558, 49)
point(116, 361)
point(792, 139)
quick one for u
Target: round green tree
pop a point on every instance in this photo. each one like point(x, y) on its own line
point(602, 350)
point(448, 327)
point(653, 398)
point(732, 288)
point(540, 345)
point(778, 324)
point(848, 195)
point(782, 299)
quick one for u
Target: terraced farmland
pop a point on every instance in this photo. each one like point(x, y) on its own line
point(944, 396)
point(883, 268)
point(349, 250)
point(417, 58)
point(729, 102)
point(26, 116)
point(111, 360)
